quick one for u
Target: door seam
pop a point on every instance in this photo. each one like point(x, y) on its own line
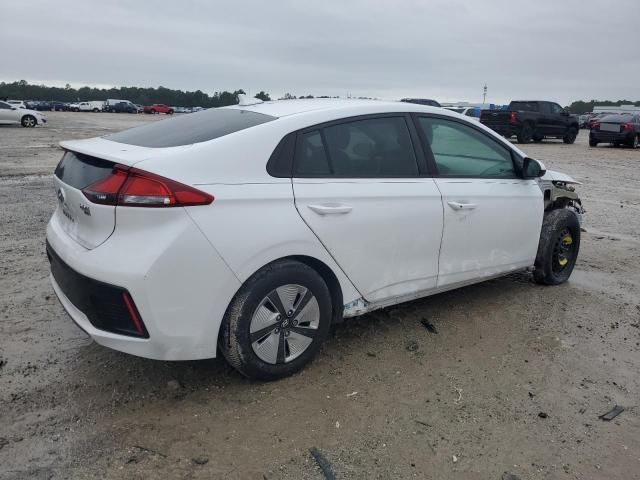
point(295, 205)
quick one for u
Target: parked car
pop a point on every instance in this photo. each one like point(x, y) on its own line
point(17, 103)
point(617, 129)
point(39, 106)
point(56, 106)
point(312, 189)
point(471, 112)
point(139, 108)
point(124, 107)
point(422, 101)
point(158, 108)
point(86, 107)
point(110, 105)
point(11, 114)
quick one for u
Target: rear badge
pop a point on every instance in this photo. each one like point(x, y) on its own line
point(85, 209)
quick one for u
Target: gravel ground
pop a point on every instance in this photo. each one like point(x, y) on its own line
point(512, 378)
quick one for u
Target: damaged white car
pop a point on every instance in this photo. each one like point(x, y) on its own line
point(248, 230)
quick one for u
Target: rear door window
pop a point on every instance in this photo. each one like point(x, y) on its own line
point(193, 128)
point(370, 148)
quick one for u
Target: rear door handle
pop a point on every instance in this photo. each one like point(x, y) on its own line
point(330, 208)
point(462, 206)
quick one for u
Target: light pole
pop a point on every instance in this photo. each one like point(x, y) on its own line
point(484, 95)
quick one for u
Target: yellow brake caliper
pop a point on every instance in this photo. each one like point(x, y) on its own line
point(566, 241)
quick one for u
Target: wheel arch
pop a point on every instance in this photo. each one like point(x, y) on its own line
point(321, 268)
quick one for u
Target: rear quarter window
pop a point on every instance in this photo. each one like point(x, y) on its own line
point(191, 128)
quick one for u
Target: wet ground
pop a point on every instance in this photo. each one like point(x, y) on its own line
point(511, 378)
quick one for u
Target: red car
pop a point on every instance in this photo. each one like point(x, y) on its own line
point(158, 108)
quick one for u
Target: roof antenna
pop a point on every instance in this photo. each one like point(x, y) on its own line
point(244, 100)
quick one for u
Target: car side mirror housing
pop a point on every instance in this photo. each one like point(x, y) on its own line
point(532, 168)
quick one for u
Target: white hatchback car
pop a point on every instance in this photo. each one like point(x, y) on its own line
point(11, 114)
point(250, 229)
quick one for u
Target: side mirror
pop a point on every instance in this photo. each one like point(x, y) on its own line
point(532, 168)
point(13, 108)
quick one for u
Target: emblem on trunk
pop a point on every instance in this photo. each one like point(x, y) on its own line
point(85, 209)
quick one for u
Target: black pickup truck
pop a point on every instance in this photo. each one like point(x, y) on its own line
point(532, 120)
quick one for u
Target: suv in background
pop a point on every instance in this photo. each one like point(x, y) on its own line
point(532, 120)
point(110, 104)
point(123, 107)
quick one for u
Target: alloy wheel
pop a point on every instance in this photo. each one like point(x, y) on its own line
point(284, 324)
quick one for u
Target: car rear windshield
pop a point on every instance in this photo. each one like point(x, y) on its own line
point(190, 128)
point(524, 106)
point(624, 118)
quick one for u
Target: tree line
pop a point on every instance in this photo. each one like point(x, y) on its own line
point(581, 106)
point(22, 90)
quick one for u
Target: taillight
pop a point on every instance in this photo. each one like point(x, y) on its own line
point(627, 126)
point(131, 187)
point(595, 126)
point(105, 191)
point(514, 117)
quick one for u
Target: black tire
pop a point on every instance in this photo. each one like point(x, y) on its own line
point(570, 136)
point(538, 138)
point(235, 338)
point(556, 257)
point(76, 109)
point(526, 133)
point(593, 143)
point(170, 112)
point(634, 142)
point(95, 110)
point(29, 121)
point(152, 111)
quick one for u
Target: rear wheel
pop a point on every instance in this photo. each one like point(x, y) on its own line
point(593, 143)
point(29, 121)
point(570, 136)
point(277, 322)
point(538, 138)
point(634, 143)
point(558, 247)
point(152, 111)
point(95, 110)
point(526, 133)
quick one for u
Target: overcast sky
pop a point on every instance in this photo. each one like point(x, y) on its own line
point(444, 49)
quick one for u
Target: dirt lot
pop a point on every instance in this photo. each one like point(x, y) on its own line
point(387, 398)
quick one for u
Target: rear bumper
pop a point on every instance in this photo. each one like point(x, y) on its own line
point(179, 284)
point(611, 137)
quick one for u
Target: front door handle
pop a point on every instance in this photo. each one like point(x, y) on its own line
point(330, 208)
point(462, 206)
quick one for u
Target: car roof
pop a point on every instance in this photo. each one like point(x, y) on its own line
point(285, 108)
